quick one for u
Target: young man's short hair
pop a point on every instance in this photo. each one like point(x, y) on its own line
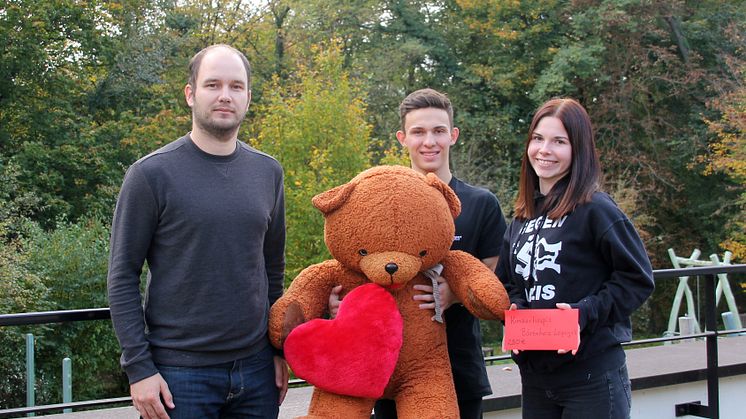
point(425, 98)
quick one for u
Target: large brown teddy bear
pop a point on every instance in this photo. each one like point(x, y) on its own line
point(386, 226)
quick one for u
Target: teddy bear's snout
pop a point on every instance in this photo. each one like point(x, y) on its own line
point(391, 268)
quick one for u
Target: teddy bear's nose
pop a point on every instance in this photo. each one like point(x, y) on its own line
point(391, 268)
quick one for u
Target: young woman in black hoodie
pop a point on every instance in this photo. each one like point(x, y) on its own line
point(570, 246)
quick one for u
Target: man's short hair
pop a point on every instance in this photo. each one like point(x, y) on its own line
point(196, 62)
point(425, 98)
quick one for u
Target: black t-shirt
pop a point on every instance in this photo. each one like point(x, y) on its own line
point(479, 231)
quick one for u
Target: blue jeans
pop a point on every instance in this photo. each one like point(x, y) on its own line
point(607, 395)
point(240, 389)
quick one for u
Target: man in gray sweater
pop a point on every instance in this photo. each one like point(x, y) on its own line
point(206, 212)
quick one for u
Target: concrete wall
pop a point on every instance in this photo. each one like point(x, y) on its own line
point(659, 402)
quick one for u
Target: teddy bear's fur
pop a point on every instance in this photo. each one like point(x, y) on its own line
point(392, 216)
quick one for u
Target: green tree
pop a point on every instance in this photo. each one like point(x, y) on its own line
point(503, 47)
point(727, 157)
point(643, 70)
point(315, 126)
point(42, 90)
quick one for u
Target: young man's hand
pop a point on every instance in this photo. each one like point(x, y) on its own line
point(427, 300)
point(334, 301)
point(146, 397)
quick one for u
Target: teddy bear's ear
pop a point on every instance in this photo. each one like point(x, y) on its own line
point(453, 202)
point(332, 199)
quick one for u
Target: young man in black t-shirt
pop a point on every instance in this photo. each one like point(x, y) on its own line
point(427, 132)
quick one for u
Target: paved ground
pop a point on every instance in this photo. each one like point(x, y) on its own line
point(117, 413)
point(644, 364)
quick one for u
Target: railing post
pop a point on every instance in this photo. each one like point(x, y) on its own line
point(730, 322)
point(67, 383)
point(30, 374)
point(713, 399)
point(687, 326)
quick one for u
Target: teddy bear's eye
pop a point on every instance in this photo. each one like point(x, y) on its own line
point(363, 252)
point(423, 253)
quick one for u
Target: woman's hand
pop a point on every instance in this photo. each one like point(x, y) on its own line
point(513, 307)
point(565, 306)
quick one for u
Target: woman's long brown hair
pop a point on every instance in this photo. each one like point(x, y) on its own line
point(582, 180)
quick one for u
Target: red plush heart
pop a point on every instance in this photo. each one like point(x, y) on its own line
point(354, 354)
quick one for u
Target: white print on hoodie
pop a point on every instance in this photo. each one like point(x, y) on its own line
point(546, 258)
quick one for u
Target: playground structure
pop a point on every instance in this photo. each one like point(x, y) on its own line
point(689, 323)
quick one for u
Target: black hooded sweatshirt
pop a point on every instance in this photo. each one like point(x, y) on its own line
point(591, 258)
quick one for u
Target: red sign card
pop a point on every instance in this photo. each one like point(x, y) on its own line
point(549, 329)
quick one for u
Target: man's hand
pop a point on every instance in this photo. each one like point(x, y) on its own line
point(335, 301)
point(446, 296)
point(281, 377)
point(146, 396)
point(565, 306)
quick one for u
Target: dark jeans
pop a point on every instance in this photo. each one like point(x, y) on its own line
point(240, 389)
point(607, 395)
point(468, 409)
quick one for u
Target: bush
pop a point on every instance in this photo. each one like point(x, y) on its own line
point(20, 291)
point(71, 260)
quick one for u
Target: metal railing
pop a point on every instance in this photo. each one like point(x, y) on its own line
point(711, 410)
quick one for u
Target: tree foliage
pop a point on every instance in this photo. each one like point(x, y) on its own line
point(727, 153)
point(315, 126)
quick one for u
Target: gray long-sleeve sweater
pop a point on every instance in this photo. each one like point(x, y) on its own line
point(212, 230)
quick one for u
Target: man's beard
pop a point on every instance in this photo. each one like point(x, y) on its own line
point(220, 129)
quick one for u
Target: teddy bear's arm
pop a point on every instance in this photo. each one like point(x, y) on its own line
point(475, 285)
point(307, 297)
